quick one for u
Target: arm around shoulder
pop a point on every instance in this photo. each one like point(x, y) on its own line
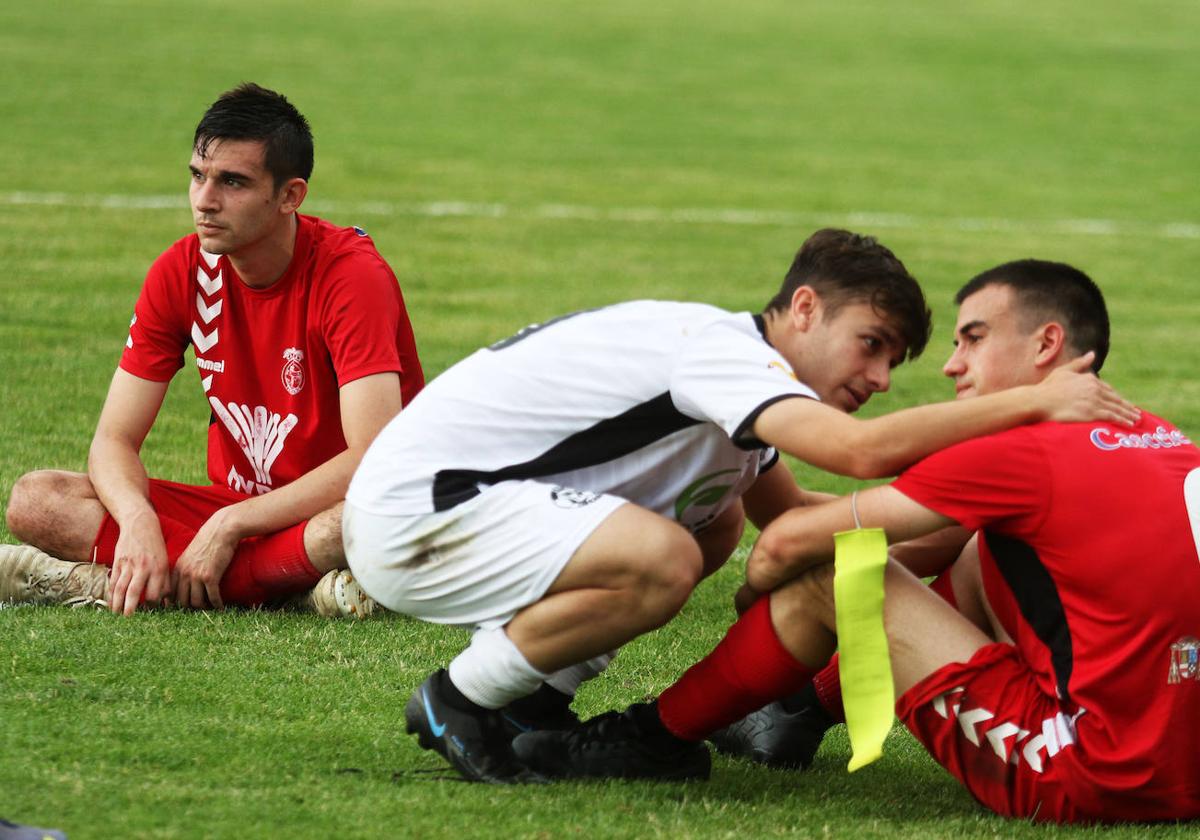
point(885, 445)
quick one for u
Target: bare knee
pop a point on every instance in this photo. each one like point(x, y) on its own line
point(808, 597)
point(323, 540)
point(669, 569)
point(802, 613)
point(40, 502)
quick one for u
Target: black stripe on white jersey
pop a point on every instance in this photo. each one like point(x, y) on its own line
point(743, 436)
point(607, 440)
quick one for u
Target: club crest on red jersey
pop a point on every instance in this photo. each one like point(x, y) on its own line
point(1185, 660)
point(293, 373)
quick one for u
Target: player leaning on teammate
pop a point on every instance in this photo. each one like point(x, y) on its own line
point(562, 491)
point(304, 351)
point(1057, 676)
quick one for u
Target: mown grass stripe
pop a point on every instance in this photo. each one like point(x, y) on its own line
point(653, 215)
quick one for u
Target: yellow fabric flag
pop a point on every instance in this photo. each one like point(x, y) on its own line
point(868, 693)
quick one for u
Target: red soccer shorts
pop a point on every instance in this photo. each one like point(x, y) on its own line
point(989, 724)
point(187, 504)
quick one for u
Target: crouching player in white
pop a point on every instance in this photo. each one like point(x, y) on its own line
point(563, 491)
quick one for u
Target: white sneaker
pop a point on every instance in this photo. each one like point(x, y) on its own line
point(30, 576)
point(336, 595)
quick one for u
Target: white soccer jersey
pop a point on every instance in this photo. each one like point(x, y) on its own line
point(648, 400)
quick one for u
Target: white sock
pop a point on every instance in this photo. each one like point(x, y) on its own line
point(569, 679)
point(491, 672)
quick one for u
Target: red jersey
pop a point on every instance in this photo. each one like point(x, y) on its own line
point(271, 360)
point(1090, 552)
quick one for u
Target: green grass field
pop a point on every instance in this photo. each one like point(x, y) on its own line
point(516, 161)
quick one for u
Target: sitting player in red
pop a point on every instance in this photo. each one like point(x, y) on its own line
point(1066, 685)
point(304, 351)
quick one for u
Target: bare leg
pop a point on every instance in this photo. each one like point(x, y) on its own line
point(630, 576)
point(924, 632)
point(323, 540)
point(56, 511)
point(719, 539)
point(967, 580)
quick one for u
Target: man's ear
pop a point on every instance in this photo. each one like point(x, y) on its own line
point(806, 306)
point(1051, 344)
point(292, 195)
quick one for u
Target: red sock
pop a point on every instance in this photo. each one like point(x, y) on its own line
point(828, 682)
point(749, 668)
point(272, 566)
point(828, 686)
point(267, 567)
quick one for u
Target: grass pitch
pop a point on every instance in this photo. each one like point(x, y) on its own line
point(514, 162)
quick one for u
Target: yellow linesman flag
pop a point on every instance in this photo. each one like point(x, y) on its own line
point(860, 557)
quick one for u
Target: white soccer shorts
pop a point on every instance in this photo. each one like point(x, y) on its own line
point(479, 563)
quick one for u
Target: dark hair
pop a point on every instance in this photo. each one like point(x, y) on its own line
point(1051, 291)
point(251, 112)
point(845, 268)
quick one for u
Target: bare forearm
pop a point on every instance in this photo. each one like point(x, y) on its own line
point(119, 478)
point(315, 491)
point(883, 446)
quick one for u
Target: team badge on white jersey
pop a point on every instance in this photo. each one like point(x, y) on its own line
point(567, 497)
point(1185, 660)
point(293, 373)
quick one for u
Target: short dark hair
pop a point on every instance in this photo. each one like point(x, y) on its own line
point(844, 268)
point(1052, 291)
point(251, 112)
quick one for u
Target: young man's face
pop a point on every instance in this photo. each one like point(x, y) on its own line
point(234, 201)
point(850, 355)
point(991, 351)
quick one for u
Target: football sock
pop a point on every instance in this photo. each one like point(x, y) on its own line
point(827, 684)
point(271, 566)
point(262, 567)
point(241, 589)
point(568, 680)
point(749, 668)
point(492, 672)
point(450, 693)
